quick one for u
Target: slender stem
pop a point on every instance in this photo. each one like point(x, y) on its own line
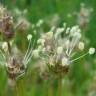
point(21, 88)
point(51, 89)
point(59, 87)
point(16, 91)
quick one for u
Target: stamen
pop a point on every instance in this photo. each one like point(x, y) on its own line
point(17, 26)
point(79, 57)
point(4, 57)
point(29, 55)
point(20, 75)
point(67, 46)
point(27, 50)
point(73, 44)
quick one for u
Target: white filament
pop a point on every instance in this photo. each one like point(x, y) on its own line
point(27, 50)
point(79, 57)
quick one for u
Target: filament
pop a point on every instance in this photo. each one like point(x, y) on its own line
point(27, 49)
point(79, 57)
point(73, 43)
point(3, 55)
point(29, 55)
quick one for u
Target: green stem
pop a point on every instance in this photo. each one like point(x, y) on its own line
point(16, 91)
point(59, 87)
point(51, 89)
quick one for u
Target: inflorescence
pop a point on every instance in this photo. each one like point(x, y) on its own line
point(54, 50)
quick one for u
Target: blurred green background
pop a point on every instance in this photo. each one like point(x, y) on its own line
point(81, 80)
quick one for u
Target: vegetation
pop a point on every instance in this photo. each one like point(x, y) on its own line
point(47, 48)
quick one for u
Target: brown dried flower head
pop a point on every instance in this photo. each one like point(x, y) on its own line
point(6, 23)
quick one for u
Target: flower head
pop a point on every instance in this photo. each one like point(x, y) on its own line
point(6, 23)
point(84, 15)
point(14, 61)
point(57, 50)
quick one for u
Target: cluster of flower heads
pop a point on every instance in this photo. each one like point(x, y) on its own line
point(54, 50)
